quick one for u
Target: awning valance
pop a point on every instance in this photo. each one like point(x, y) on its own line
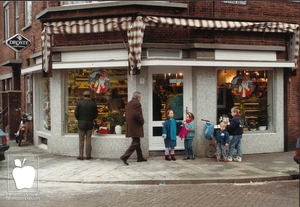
point(135, 32)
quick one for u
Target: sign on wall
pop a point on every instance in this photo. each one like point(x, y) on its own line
point(18, 42)
point(235, 2)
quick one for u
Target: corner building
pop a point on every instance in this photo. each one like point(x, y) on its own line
point(212, 54)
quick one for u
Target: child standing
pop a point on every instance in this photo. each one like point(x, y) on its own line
point(169, 135)
point(236, 126)
point(188, 133)
point(222, 141)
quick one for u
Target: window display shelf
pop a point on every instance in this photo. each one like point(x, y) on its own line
point(249, 111)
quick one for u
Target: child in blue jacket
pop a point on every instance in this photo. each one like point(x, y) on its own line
point(222, 141)
point(189, 128)
point(169, 135)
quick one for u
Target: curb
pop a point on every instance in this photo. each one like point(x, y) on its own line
point(187, 181)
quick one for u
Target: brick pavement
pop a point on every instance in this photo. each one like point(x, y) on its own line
point(259, 167)
point(266, 194)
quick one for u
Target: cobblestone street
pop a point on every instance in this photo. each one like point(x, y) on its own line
point(273, 194)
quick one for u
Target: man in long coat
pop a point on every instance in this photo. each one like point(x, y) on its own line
point(134, 128)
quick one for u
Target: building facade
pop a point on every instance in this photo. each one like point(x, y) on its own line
point(208, 55)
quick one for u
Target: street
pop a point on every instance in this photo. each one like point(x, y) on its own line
point(275, 194)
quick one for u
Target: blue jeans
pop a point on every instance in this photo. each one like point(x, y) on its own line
point(235, 143)
point(188, 147)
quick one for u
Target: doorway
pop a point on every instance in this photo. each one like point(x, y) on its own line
point(171, 89)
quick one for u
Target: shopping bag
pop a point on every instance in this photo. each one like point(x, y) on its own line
point(208, 131)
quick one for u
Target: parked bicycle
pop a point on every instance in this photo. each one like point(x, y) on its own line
point(209, 134)
point(22, 131)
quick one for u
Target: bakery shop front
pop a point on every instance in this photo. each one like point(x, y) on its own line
point(209, 79)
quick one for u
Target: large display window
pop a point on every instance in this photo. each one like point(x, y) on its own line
point(250, 90)
point(108, 89)
point(46, 113)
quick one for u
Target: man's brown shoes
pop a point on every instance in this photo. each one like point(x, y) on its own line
point(79, 158)
point(124, 161)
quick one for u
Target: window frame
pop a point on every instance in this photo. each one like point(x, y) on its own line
point(248, 105)
point(6, 22)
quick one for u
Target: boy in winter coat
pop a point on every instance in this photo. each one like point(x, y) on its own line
point(222, 141)
point(236, 126)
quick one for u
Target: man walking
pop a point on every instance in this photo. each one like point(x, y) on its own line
point(134, 128)
point(85, 112)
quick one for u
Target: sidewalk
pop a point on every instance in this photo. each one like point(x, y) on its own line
point(253, 168)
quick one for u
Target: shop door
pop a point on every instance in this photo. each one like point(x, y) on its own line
point(171, 89)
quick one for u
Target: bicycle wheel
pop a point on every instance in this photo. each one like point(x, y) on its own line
point(20, 137)
point(210, 150)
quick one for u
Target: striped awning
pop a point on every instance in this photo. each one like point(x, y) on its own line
point(78, 27)
point(273, 27)
point(135, 32)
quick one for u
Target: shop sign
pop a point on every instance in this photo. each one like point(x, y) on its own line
point(18, 42)
point(235, 2)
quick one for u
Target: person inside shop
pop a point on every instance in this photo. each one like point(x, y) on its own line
point(115, 102)
point(177, 103)
point(169, 93)
point(263, 100)
point(177, 106)
point(229, 101)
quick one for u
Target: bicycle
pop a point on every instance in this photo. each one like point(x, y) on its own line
point(22, 131)
point(209, 132)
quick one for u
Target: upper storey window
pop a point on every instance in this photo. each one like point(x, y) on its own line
point(28, 13)
point(6, 21)
point(63, 3)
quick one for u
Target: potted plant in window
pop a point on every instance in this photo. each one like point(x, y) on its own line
point(252, 125)
point(263, 117)
point(116, 121)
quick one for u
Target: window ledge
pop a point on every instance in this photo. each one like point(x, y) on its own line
point(111, 4)
point(26, 27)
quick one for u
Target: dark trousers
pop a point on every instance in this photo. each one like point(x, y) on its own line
point(87, 136)
point(135, 145)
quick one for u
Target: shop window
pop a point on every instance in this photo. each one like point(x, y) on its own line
point(29, 99)
point(46, 116)
point(108, 89)
point(250, 91)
